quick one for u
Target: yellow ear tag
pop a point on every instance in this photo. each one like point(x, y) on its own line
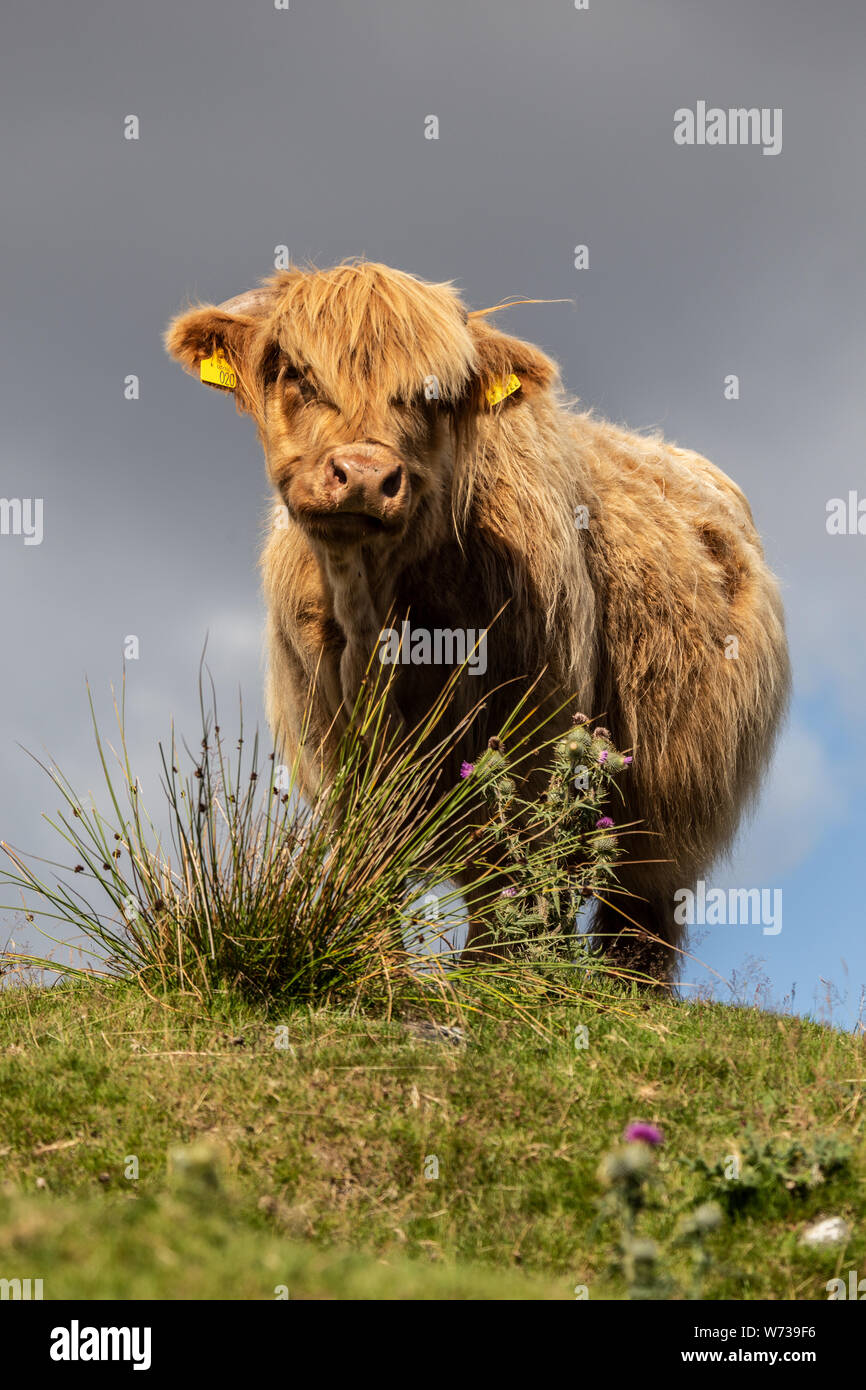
point(498, 392)
point(217, 371)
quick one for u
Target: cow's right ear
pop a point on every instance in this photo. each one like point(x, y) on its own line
point(229, 339)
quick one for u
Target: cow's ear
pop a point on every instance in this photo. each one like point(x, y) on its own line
point(508, 369)
point(223, 344)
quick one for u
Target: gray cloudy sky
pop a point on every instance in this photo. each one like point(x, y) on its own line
point(306, 127)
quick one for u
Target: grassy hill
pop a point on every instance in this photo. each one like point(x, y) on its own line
point(317, 1154)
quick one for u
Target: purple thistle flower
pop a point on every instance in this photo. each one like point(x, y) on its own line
point(467, 769)
point(508, 892)
point(628, 759)
point(602, 757)
point(605, 823)
point(642, 1133)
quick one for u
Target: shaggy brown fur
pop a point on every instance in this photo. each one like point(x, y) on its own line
point(450, 509)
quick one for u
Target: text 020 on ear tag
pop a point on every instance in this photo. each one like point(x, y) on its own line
point(217, 371)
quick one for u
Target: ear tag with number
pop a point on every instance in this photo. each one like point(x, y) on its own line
point(217, 371)
point(498, 392)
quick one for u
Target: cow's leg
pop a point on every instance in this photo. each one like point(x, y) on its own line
point(635, 927)
point(480, 886)
point(303, 706)
point(481, 946)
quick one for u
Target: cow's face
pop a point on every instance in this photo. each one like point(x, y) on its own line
point(363, 382)
point(347, 479)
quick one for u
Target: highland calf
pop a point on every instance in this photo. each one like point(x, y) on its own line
point(431, 467)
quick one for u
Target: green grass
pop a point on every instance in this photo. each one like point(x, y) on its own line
point(312, 1170)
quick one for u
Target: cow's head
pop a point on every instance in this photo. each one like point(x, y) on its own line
point(365, 384)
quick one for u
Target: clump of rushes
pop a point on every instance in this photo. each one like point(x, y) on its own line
point(555, 850)
point(630, 1176)
point(253, 891)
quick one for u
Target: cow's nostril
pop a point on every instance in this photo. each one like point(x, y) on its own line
point(337, 473)
point(391, 485)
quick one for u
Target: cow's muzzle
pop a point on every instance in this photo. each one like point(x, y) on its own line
point(355, 493)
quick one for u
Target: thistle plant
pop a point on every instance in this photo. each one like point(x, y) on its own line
point(770, 1174)
point(555, 849)
point(630, 1176)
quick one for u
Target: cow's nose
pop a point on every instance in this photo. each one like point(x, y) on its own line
point(362, 482)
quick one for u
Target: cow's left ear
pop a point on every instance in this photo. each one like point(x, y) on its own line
point(508, 369)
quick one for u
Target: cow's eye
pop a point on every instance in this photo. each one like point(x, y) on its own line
point(295, 385)
point(420, 401)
